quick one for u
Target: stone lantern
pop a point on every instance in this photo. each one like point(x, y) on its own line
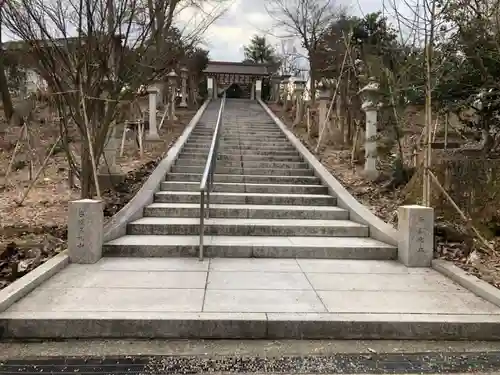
point(184, 77)
point(172, 81)
point(370, 95)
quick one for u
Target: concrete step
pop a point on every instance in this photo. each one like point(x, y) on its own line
point(253, 179)
point(250, 247)
point(247, 227)
point(250, 171)
point(247, 150)
point(235, 156)
point(248, 138)
point(244, 164)
point(247, 211)
point(242, 152)
point(247, 198)
point(256, 147)
point(260, 142)
point(225, 132)
point(246, 187)
point(239, 136)
point(238, 129)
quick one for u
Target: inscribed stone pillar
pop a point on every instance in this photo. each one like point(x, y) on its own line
point(324, 98)
point(369, 106)
point(299, 106)
point(85, 231)
point(281, 95)
point(109, 173)
point(108, 166)
point(276, 91)
point(184, 78)
point(172, 80)
point(153, 128)
point(258, 89)
point(172, 103)
point(216, 89)
point(416, 235)
point(210, 87)
point(252, 90)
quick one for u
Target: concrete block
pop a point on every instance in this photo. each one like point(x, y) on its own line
point(262, 301)
point(85, 231)
point(246, 198)
point(416, 235)
point(118, 324)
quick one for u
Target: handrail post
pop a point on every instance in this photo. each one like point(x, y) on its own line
point(207, 179)
point(202, 223)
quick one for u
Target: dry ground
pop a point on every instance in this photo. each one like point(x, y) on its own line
point(35, 231)
point(451, 242)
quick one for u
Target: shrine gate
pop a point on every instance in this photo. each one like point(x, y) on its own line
point(243, 80)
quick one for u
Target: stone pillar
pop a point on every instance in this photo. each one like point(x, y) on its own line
point(370, 107)
point(210, 87)
point(416, 235)
point(172, 82)
point(153, 127)
point(172, 102)
point(252, 90)
point(281, 93)
point(109, 173)
point(85, 231)
point(184, 78)
point(216, 89)
point(276, 89)
point(258, 89)
point(299, 106)
point(324, 99)
point(108, 166)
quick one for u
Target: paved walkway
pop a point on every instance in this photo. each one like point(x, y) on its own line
point(250, 291)
point(138, 285)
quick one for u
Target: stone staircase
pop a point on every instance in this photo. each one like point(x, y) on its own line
point(267, 202)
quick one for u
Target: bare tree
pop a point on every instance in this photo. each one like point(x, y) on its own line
point(94, 54)
point(4, 89)
point(306, 20)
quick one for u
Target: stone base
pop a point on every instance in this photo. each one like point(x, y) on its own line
point(153, 137)
point(110, 181)
point(183, 105)
point(371, 175)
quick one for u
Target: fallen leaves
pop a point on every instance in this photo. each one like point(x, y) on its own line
point(34, 232)
point(453, 241)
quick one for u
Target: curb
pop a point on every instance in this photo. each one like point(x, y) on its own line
point(379, 229)
point(117, 226)
point(21, 287)
point(472, 283)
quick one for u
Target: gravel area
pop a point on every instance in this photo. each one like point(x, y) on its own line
point(428, 363)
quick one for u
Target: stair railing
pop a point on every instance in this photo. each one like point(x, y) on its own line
point(207, 179)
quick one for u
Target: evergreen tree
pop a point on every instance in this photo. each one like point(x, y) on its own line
point(259, 51)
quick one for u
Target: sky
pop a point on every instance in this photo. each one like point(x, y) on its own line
point(226, 38)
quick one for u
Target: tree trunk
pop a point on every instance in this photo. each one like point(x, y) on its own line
point(86, 175)
point(8, 108)
point(312, 77)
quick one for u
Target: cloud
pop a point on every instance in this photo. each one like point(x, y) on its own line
point(244, 18)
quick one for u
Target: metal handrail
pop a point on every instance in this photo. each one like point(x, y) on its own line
point(207, 179)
